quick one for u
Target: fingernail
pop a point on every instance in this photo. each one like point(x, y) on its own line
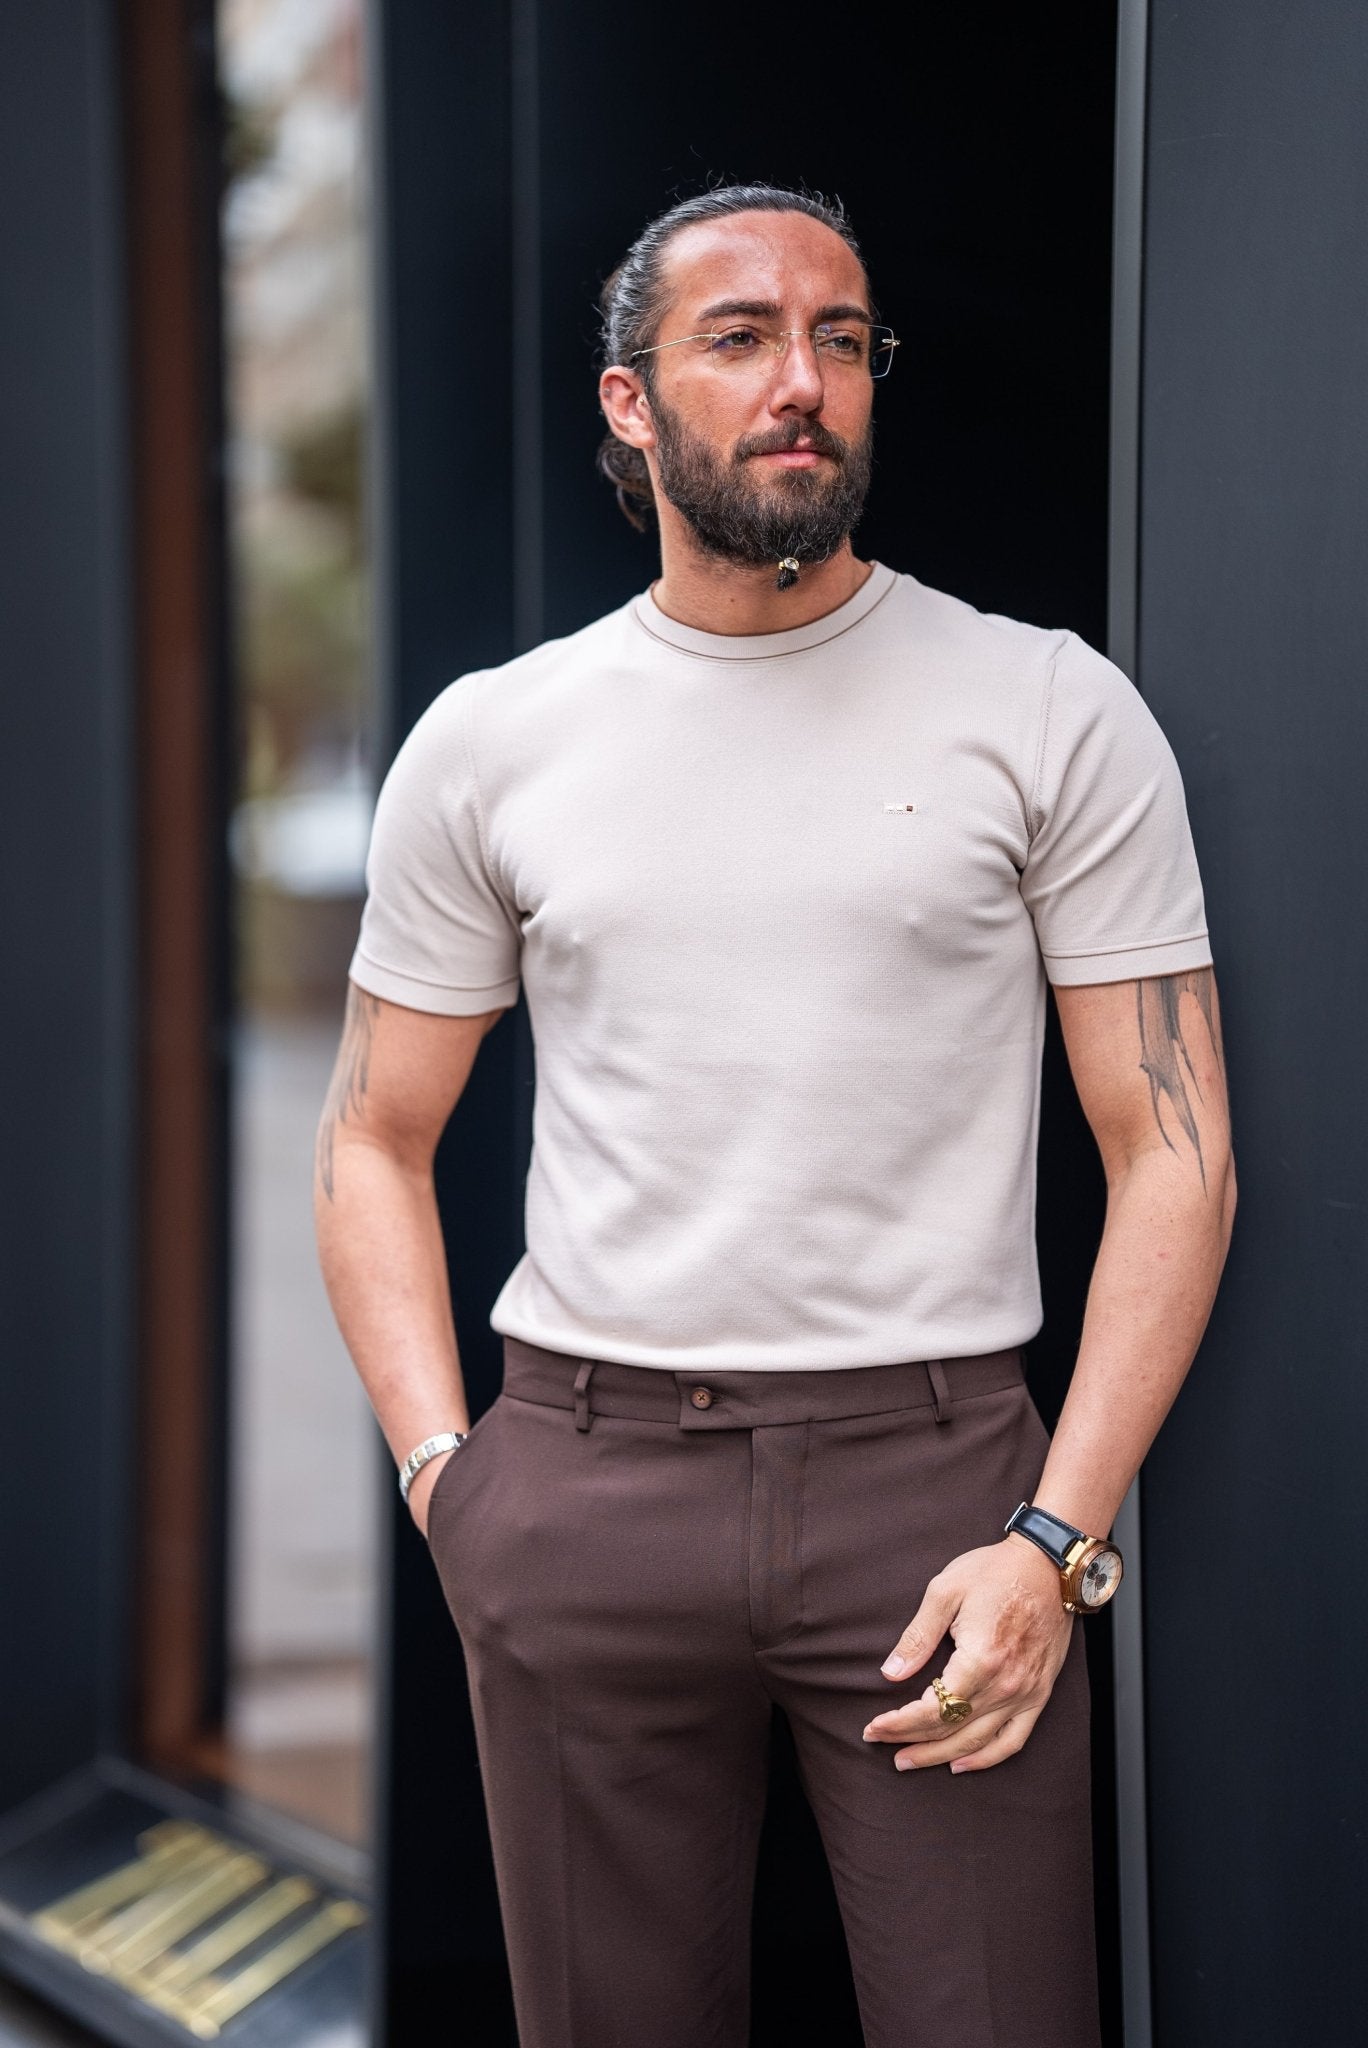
point(902, 1763)
point(893, 1665)
point(959, 1767)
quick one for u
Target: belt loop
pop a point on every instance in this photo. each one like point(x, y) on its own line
point(582, 1413)
point(940, 1389)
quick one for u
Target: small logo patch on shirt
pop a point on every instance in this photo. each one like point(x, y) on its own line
point(898, 803)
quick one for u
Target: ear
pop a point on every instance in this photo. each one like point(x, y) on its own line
point(625, 406)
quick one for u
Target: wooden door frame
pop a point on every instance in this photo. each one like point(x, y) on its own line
point(173, 150)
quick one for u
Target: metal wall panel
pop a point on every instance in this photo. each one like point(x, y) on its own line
point(441, 494)
point(1253, 621)
point(66, 871)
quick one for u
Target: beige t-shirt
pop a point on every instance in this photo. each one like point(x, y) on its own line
point(784, 907)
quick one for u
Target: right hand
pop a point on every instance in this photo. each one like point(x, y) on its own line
point(420, 1492)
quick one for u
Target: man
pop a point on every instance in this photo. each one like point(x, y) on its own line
point(784, 853)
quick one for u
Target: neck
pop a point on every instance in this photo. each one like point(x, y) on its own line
point(723, 597)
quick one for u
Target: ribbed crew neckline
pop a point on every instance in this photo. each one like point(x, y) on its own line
point(765, 646)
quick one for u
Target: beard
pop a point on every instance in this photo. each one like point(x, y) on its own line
point(743, 515)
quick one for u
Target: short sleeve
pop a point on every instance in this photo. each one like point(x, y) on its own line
point(436, 932)
point(1111, 878)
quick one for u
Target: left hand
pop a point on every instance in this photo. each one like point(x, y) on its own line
point(1004, 1608)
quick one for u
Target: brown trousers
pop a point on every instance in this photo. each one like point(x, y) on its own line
point(641, 1564)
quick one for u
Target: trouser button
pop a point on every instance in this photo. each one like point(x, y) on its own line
point(701, 1397)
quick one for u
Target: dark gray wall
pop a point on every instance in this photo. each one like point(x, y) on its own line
point(441, 492)
point(66, 877)
point(1253, 631)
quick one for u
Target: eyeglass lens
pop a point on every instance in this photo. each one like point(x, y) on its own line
point(881, 347)
point(868, 348)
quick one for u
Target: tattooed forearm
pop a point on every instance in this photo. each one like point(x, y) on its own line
point(1164, 1055)
point(347, 1091)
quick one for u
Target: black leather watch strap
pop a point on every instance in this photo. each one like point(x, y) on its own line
point(1053, 1535)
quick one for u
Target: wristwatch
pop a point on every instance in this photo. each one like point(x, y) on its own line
point(1090, 1567)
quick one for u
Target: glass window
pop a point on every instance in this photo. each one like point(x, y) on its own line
point(302, 1456)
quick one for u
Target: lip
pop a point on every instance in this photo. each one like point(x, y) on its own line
point(794, 458)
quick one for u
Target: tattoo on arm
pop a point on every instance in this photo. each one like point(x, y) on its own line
point(347, 1090)
point(1164, 1056)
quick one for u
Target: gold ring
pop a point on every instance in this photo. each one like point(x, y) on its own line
point(953, 1707)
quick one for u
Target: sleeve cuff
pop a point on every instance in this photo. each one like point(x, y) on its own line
point(416, 994)
point(1128, 963)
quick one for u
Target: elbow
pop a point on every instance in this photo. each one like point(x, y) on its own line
point(408, 1150)
point(1228, 1200)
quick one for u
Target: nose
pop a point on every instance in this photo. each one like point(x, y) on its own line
point(798, 385)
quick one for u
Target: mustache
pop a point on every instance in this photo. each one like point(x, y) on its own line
point(780, 439)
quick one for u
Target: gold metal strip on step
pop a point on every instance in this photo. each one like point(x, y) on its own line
point(208, 1857)
point(179, 1971)
point(133, 1938)
point(206, 2014)
point(127, 1924)
point(164, 1834)
point(74, 1913)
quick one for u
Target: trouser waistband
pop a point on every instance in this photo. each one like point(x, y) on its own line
point(748, 1399)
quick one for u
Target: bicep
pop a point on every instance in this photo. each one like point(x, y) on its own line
point(1149, 1066)
point(398, 1075)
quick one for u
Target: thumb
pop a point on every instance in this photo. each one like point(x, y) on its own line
point(922, 1633)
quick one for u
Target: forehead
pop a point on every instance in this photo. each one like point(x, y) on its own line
point(788, 257)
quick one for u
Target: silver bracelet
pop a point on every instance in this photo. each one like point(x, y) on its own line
point(445, 1440)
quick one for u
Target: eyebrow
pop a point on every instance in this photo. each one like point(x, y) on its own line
point(767, 309)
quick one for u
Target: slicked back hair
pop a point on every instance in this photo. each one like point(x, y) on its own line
point(633, 297)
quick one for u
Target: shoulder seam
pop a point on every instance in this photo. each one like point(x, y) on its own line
point(1046, 706)
point(481, 829)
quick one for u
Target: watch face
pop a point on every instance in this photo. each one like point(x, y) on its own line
point(1099, 1579)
